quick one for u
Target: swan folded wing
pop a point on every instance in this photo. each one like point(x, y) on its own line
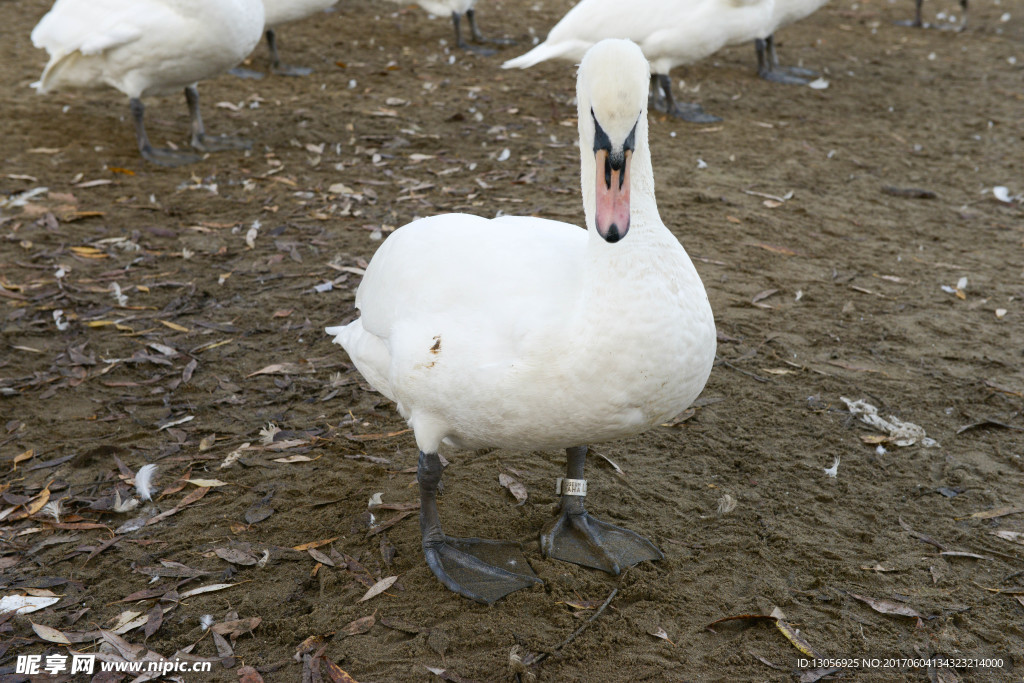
point(94, 26)
point(486, 273)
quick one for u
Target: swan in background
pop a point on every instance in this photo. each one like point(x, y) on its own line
point(917, 23)
point(278, 13)
point(785, 12)
point(149, 47)
point(670, 33)
point(527, 334)
point(455, 9)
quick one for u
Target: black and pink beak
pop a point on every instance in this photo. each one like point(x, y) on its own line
point(612, 214)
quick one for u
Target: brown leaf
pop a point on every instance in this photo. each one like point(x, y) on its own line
point(22, 457)
point(154, 618)
point(224, 648)
point(336, 673)
point(998, 512)
point(660, 633)
point(378, 588)
point(315, 544)
point(236, 556)
point(361, 625)
point(514, 487)
point(1012, 536)
point(761, 296)
point(49, 634)
point(384, 526)
point(284, 369)
point(247, 674)
point(237, 627)
point(886, 607)
point(799, 642)
point(320, 557)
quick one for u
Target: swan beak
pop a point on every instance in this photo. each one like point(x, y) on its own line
point(612, 194)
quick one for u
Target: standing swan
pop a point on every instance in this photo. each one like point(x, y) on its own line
point(670, 33)
point(455, 9)
point(278, 13)
point(526, 333)
point(149, 47)
point(785, 12)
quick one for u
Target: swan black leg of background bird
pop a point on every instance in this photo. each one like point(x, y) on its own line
point(275, 60)
point(478, 569)
point(462, 44)
point(687, 111)
point(478, 37)
point(574, 536)
point(917, 22)
point(156, 155)
point(202, 141)
point(768, 65)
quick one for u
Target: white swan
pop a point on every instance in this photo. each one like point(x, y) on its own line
point(527, 333)
point(670, 32)
point(455, 9)
point(785, 12)
point(278, 13)
point(148, 47)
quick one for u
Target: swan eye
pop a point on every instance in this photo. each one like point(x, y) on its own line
point(601, 139)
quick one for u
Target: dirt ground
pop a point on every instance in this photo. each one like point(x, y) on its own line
point(852, 245)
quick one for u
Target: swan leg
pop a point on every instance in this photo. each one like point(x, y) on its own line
point(275, 59)
point(916, 22)
point(202, 141)
point(574, 536)
point(462, 44)
point(768, 65)
point(686, 111)
point(481, 570)
point(156, 155)
point(478, 37)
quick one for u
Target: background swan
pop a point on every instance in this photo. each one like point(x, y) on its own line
point(670, 33)
point(279, 13)
point(526, 333)
point(455, 9)
point(148, 47)
point(785, 12)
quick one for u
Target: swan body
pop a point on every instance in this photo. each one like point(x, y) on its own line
point(671, 33)
point(148, 47)
point(788, 12)
point(527, 333)
point(784, 13)
point(444, 8)
point(456, 9)
point(144, 47)
point(280, 12)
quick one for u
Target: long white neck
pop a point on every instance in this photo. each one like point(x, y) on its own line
point(645, 222)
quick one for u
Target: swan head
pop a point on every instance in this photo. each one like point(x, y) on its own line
point(611, 92)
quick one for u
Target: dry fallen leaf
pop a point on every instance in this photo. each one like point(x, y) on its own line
point(998, 512)
point(887, 607)
point(207, 589)
point(236, 556)
point(793, 635)
point(50, 634)
point(379, 588)
point(660, 633)
point(361, 625)
point(25, 604)
point(514, 487)
point(1012, 536)
point(315, 544)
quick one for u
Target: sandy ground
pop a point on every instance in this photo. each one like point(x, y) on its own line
point(851, 245)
